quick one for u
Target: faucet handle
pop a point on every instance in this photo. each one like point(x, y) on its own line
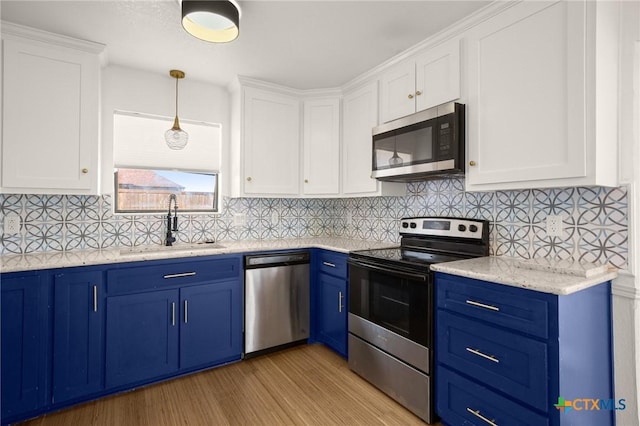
point(175, 224)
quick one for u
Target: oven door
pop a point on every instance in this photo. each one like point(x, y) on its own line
point(394, 299)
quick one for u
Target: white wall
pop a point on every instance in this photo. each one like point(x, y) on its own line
point(128, 89)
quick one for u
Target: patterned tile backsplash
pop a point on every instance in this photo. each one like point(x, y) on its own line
point(594, 220)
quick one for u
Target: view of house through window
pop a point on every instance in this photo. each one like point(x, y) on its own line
point(147, 171)
point(141, 190)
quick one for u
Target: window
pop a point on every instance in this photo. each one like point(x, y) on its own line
point(147, 171)
point(141, 190)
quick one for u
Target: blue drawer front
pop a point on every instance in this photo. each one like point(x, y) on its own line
point(510, 363)
point(171, 274)
point(333, 263)
point(463, 402)
point(515, 308)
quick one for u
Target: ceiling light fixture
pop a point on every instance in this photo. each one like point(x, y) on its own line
point(175, 137)
point(211, 20)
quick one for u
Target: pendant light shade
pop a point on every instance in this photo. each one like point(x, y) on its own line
point(175, 137)
point(211, 20)
point(395, 160)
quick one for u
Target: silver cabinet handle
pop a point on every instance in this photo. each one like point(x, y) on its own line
point(480, 416)
point(173, 314)
point(186, 307)
point(95, 298)
point(183, 274)
point(340, 301)
point(329, 264)
point(485, 356)
point(482, 305)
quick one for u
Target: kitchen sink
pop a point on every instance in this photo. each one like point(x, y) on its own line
point(129, 251)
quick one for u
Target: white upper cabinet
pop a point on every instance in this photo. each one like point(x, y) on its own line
point(271, 141)
point(359, 117)
point(321, 149)
point(424, 81)
point(50, 94)
point(534, 73)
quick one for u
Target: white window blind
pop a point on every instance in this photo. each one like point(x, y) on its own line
point(138, 142)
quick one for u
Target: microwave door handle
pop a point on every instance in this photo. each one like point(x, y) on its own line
point(390, 271)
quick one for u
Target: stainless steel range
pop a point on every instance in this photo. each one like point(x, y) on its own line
point(391, 306)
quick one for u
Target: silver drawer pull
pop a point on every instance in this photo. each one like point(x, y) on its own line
point(485, 356)
point(183, 274)
point(95, 298)
point(480, 416)
point(340, 305)
point(482, 305)
point(173, 314)
point(329, 264)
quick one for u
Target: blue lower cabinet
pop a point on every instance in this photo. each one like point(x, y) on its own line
point(332, 312)
point(512, 356)
point(211, 324)
point(24, 344)
point(142, 336)
point(78, 337)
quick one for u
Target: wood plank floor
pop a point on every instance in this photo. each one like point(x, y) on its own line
point(304, 385)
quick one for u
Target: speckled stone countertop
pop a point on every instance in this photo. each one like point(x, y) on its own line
point(51, 260)
point(547, 276)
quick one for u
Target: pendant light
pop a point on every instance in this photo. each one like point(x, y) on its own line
point(395, 161)
point(175, 137)
point(216, 21)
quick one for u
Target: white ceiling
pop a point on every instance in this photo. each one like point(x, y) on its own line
point(300, 44)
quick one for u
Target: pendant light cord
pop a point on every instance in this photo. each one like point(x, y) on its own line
point(176, 96)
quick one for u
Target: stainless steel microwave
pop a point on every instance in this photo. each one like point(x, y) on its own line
point(420, 146)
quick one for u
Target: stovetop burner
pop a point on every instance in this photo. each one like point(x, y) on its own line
point(429, 240)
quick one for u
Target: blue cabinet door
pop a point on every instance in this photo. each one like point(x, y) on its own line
point(332, 312)
point(211, 324)
point(78, 344)
point(142, 336)
point(24, 328)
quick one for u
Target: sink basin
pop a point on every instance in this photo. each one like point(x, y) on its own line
point(164, 249)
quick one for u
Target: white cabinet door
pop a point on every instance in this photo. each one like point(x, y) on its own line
point(50, 134)
point(427, 80)
point(360, 115)
point(321, 148)
point(271, 132)
point(438, 75)
point(526, 114)
point(397, 92)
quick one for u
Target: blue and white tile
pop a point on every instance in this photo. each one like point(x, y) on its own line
point(513, 206)
point(479, 205)
point(117, 234)
point(599, 206)
point(553, 247)
point(44, 208)
point(82, 207)
point(82, 236)
point(557, 202)
point(513, 240)
point(148, 230)
point(12, 203)
point(44, 237)
point(600, 245)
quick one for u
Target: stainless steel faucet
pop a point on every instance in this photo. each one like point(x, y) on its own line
point(172, 225)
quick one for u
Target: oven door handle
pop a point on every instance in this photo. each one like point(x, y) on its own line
point(387, 270)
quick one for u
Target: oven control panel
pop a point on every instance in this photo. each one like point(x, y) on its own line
point(448, 227)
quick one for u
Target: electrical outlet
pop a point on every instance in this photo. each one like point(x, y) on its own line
point(275, 218)
point(554, 225)
point(239, 219)
point(11, 224)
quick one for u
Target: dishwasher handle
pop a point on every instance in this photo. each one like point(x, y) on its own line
point(276, 259)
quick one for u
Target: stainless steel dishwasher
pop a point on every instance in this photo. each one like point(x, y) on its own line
point(276, 300)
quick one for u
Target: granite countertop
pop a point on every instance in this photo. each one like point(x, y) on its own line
point(50, 260)
point(560, 277)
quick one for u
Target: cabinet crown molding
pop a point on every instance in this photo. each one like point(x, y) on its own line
point(301, 93)
point(10, 29)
